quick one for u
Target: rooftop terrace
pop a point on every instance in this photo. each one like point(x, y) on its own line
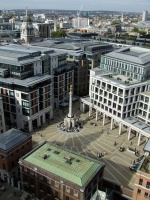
point(63, 163)
point(121, 79)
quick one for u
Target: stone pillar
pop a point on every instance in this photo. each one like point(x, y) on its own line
point(70, 114)
point(30, 126)
point(12, 182)
point(83, 107)
point(90, 111)
point(19, 185)
point(129, 134)
point(120, 128)
point(103, 119)
point(43, 118)
point(96, 115)
point(38, 121)
point(51, 114)
point(139, 139)
point(8, 180)
point(112, 123)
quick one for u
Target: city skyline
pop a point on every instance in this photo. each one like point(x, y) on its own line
point(112, 5)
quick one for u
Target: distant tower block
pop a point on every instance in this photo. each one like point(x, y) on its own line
point(122, 18)
point(70, 119)
point(144, 16)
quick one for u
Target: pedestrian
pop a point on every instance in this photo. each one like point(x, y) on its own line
point(14, 193)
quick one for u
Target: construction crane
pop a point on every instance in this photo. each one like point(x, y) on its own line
point(78, 15)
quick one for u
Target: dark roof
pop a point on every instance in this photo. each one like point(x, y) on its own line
point(11, 138)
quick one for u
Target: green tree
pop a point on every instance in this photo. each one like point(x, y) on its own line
point(135, 29)
point(58, 34)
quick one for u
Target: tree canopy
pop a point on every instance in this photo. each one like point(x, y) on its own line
point(58, 34)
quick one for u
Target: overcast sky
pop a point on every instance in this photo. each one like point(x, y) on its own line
point(116, 5)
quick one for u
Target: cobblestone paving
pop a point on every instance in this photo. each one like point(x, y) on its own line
point(90, 142)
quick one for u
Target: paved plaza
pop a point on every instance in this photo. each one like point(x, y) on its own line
point(92, 141)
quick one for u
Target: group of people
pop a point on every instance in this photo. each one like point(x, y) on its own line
point(99, 155)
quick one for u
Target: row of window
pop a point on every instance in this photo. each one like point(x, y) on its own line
point(126, 66)
point(146, 194)
point(147, 184)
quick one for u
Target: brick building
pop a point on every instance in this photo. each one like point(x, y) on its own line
point(13, 145)
point(142, 182)
point(51, 172)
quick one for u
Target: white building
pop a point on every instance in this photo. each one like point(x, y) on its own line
point(120, 91)
point(80, 22)
point(27, 30)
point(144, 15)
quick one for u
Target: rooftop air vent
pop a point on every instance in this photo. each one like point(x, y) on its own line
point(118, 78)
point(57, 152)
point(67, 158)
point(77, 160)
point(68, 162)
point(45, 156)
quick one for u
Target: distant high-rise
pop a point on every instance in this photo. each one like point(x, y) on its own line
point(145, 15)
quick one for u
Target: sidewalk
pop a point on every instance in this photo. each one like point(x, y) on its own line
point(8, 194)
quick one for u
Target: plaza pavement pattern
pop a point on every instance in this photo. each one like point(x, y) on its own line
point(91, 141)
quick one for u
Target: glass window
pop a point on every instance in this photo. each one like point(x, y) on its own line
point(140, 181)
point(139, 191)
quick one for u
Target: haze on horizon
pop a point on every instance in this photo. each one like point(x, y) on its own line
point(111, 5)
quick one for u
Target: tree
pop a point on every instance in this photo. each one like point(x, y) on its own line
point(135, 29)
point(58, 34)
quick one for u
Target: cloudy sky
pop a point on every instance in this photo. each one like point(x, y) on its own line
point(118, 5)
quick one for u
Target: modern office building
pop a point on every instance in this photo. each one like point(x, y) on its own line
point(51, 172)
point(26, 89)
point(13, 145)
point(133, 62)
point(80, 22)
point(85, 55)
point(2, 119)
point(119, 90)
point(144, 15)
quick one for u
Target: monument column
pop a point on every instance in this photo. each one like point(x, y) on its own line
point(70, 103)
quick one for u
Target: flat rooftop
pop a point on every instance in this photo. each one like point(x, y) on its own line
point(121, 79)
point(63, 163)
point(28, 82)
point(137, 55)
point(138, 124)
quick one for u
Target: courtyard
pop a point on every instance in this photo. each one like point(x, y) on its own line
point(94, 141)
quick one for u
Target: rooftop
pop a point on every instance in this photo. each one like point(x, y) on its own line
point(138, 124)
point(137, 55)
point(28, 82)
point(121, 79)
point(63, 163)
point(11, 138)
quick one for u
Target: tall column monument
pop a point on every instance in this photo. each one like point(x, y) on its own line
point(70, 119)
